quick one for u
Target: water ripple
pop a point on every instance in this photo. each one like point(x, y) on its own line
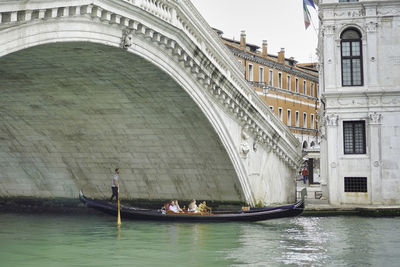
point(32, 240)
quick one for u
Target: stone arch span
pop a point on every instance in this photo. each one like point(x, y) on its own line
point(78, 110)
point(174, 38)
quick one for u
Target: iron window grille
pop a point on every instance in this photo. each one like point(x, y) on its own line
point(355, 185)
point(354, 137)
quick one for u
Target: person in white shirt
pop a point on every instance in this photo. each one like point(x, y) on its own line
point(177, 206)
point(192, 206)
point(115, 185)
point(173, 207)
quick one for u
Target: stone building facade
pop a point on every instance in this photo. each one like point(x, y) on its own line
point(359, 48)
point(288, 88)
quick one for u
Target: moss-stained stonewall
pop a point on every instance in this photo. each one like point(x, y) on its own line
point(70, 113)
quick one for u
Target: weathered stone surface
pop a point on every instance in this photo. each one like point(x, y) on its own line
point(72, 112)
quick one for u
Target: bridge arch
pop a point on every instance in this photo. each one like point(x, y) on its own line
point(239, 119)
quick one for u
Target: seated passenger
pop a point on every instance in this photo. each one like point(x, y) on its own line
point(203, 207)
point(192, 206)
point(177, 206)
point(173, 207)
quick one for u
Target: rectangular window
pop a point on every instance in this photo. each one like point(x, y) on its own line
point(354, 137)
point(280, 113)
point(312, 89)
point(261, 75)
point(296, 86)
point(304, 87)
point(312, 121)
point(280, 80)
point(346, 71)
point(297, 119)
point(288, 83)
point(355, 184)
point(304, 120)
point(289, 117)
point(270, 78)
point(251, 73)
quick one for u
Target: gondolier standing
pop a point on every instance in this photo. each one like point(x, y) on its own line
point(115, 185)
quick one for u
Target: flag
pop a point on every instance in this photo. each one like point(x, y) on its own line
point(306, 14)
point(309, 2)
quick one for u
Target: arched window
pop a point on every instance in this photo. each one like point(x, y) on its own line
point(312, 144)
point(350, 44)
point(305, 145)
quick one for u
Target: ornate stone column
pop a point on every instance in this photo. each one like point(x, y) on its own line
point(375, 179)
point(332, 139)
point(371, 49)
point(329, 57)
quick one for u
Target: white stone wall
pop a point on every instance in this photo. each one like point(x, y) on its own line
point(377, 101)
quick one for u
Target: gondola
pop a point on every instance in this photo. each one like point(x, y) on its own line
point(257, 214)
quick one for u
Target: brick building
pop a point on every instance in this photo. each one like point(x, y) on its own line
point(288, 88)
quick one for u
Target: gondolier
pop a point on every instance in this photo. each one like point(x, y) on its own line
point(115, 185)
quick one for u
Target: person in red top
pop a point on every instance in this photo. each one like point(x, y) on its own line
point(304, 173)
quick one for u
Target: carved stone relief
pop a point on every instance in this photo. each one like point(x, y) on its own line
point(389, 11)
point(350, 13)
point(375, 118)
point(331, 119)
point(126, 40)
point(257, 142)
point(329, 29)
point(244, 145)
point(371, 26)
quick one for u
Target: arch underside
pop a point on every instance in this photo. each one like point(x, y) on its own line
point(71, 112)
point(191, 59)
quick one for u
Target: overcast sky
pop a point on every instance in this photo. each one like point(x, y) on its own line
point(280, 22)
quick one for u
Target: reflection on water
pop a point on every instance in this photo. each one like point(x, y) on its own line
point(298, 241)
point(31, 240)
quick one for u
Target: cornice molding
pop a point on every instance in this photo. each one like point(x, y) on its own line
point(267, 88)
point(273, 64)
point(368, 100)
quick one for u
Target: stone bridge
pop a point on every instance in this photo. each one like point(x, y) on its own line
point(145, 85)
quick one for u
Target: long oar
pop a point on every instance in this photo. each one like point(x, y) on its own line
point(119, 211)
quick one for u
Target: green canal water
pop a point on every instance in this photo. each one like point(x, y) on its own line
point(82, 240)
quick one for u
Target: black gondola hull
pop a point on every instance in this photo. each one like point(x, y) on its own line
point(234, 216)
